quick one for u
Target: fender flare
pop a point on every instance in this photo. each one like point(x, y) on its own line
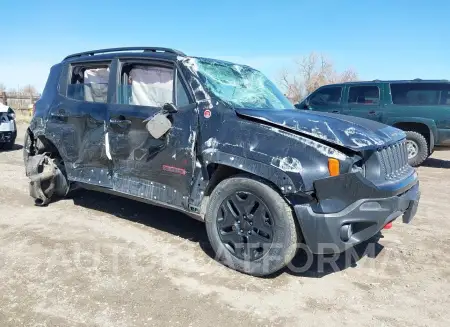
point(430, 123)
point(271, 173)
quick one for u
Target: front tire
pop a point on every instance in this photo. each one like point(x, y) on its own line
point(417, 148)
point(250, 226)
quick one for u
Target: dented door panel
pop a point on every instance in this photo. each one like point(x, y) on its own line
point(160, 168)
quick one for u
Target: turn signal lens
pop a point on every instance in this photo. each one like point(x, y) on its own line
point(333, 166)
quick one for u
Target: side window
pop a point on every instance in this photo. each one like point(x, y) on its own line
point(146, 85)
point(420, 94)
point(89, 82)
point(364, 95)
point(326, 96)
point(182, 98)
point(445, 97)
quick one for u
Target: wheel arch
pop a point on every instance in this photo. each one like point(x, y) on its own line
point(40, 144)
point(221, 165)
point(420, 127)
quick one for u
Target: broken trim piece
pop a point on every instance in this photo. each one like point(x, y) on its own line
point(107, 148)
point(46, 179)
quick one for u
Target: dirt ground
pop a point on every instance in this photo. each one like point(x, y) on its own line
point(99, 260)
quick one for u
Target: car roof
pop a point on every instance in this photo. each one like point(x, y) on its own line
point(135, 52)
point(417, 80)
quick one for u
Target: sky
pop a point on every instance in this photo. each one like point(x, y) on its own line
point(383, 39)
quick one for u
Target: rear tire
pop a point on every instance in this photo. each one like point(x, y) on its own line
point(267, 232)
point(417, 148)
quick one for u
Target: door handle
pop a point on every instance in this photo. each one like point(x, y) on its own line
point(372, 112)
point(60, 114)
point(123, 123)
point(335, 111)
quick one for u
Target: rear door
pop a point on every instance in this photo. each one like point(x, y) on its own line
point(76, 123)
point(327, 99)
point(363, 100)
point(157, 169)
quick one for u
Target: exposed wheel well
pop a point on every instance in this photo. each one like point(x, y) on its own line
point(416, 127)
point(41, 145)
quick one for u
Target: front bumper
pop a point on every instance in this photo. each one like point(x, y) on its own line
point(329, 232)
point(7, 137)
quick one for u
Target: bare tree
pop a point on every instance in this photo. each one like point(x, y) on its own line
point(28, 90)
point(311, 72)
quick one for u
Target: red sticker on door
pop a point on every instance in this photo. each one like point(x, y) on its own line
point(207, 113)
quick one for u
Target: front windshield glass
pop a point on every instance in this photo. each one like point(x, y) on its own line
point(240, 86)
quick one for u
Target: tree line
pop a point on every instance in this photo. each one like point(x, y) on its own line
point(25, 90)
point(311, 72)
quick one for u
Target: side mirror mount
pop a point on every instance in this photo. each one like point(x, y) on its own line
point(306, 104)
point(169, 108)
point(158, 125)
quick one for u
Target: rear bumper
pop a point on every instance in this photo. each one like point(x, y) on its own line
point(339, 231)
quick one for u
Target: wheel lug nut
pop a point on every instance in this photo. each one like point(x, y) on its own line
point(249, 232)
point(238, 221)
point(242, 230)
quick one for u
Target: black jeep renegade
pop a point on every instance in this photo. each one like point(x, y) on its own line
point(221, 143)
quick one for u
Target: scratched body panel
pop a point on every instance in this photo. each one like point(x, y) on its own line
point(289, 148)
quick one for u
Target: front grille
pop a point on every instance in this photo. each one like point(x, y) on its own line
point(394, 161)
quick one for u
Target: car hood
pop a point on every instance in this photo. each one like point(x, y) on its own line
point(3, 108)
point(351, 132)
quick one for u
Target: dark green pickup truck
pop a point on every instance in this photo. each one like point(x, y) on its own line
point(421, 108)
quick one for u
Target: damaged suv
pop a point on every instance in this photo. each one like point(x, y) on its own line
point(8, 130)
point(221, 143)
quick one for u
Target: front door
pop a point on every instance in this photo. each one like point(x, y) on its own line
point(364, 101)
point(327, 99)
point(161, 168)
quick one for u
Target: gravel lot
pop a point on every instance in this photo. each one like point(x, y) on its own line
point(99, 260)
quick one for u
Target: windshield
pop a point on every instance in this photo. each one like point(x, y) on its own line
point(240, 86)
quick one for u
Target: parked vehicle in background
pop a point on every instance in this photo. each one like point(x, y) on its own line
point(421, 108)
point(8, 130)
point(221, 143)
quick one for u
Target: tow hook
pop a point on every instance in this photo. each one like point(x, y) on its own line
point(46, 179)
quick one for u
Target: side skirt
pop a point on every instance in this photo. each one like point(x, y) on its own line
point(140, 199)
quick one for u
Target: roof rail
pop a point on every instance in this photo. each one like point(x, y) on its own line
point(144, 49)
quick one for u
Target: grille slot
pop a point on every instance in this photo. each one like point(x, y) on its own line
point(394, 160)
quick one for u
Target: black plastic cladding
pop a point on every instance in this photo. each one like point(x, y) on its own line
point(175, 169)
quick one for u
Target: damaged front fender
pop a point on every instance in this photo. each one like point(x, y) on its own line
point(269, 172)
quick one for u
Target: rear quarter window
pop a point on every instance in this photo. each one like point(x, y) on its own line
point(420, 94)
